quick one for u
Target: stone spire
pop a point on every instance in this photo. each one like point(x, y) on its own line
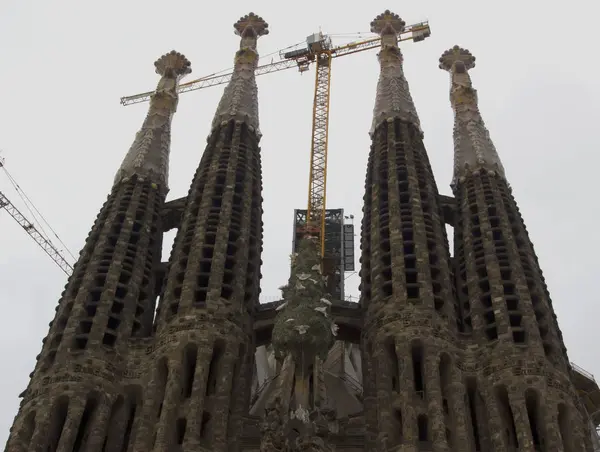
point(148, 156)
point(240, 98)
point(393, 99)
point(473, 147)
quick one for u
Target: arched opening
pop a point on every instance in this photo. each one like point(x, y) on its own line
point(478, 415)
point(161, 384)
point(205, 425)
point(532, 402)
point(398, 428)
point(565, 428)
point(84, 424)
point(113, 423)
point(417, 360)
point(445, 370)
point(393, 362)
point(57, 422)
point(213, 368)
point(180, 428)
point(508, 419)
point(423, 427)
point(190, 354)
point(134, 400)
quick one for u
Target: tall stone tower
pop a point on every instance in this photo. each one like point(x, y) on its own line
point(519, 369)
point(406, 284)
point(108, 301)
point(198, 391)
point(442, 354)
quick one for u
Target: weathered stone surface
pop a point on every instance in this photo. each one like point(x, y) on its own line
point(456, 355)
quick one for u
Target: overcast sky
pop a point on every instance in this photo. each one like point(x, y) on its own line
point(65, 64)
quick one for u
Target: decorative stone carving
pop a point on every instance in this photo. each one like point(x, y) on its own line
point(304, 325)
point(473, 147)
point(393, 99)
point(148, 156)
point(240, 98)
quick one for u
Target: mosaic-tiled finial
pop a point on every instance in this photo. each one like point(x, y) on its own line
point(387, 23)
point(173, 65)
point(251, 25)
point(458, 58)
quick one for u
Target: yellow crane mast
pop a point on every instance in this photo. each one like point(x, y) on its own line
point(319, 50)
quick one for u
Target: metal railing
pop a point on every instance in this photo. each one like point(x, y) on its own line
point(583, 372)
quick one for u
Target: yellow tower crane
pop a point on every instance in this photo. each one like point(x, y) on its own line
point(317, 49)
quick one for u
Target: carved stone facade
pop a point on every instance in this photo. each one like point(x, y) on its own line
point(444, 354)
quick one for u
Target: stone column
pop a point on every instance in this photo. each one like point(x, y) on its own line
point(521, 417)
point(168, 415)
point(71, 426)
point(496, 422)
point(456, 406)
point(197, 400)
point(434, 400)
point(99, 427)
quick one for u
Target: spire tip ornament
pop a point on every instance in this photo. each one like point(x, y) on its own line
point(386, 22)
point(240, 98)
point(148, 156)
point(173, 65)
point(474, 150)
point(251, 23)
point(458, 58)
point(393, 99)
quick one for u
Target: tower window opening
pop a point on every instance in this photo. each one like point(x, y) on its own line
point(180, 430)
point(532, 403)
point(189, 359)
point(204, 425)
point(508, 419)
point(394, 365)
point(423, 427)
point(161, 385)
point(129, 426)
point(311, 387)
point(471, 402)
point(109, 339)
point(399, 430)
point(211, 382)
point(57, 423)
point(417, 360)
point(519, 336)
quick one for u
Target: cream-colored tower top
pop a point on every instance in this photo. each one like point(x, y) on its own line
point(240, 98)
point(474, 150)
point(148, 157)
point(393, 99)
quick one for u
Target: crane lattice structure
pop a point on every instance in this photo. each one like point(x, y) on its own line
point(39, 238)
point(319, 50)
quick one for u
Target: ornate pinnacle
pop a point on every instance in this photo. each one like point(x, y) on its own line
point(173, 65)
point(250, 28)
point(251, 21)
point(387, 23)
point(458, 58)
point(474, 150)
point(393, 99)
point(148, 157)
point(240, 98)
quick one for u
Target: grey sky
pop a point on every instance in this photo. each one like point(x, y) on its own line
point(65, 63)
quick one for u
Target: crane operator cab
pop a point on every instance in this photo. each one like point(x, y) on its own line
point(316, 44)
